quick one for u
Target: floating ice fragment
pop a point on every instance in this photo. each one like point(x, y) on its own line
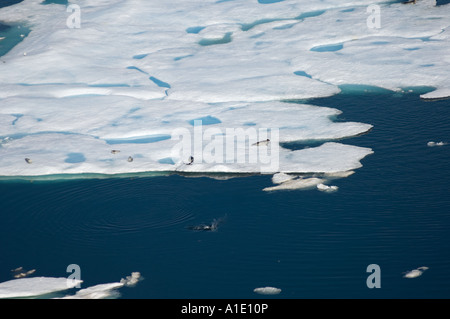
point(36, 286)
point(267, 290)
point(326, 188)
point(102, 291)
point(279, 178)
point(131, 281)
point(300, 183)
point(21, 273)
point(106, 291)
point(431, 144)
point(415, 272)
point(439, 94)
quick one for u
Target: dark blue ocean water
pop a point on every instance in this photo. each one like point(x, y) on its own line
point(394, 212)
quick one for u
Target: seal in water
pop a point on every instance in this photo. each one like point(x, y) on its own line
point(207, 227)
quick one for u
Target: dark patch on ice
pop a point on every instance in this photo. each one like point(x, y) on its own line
point(64, 2)
point(225, 39)
point(194, 30)
point(139, 140)
point(139, 56)
point(302, 73)
point(206, 120)
point(75, 158)
point(328, 47)
point(159, 83)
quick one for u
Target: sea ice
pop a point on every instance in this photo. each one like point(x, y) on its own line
point(106, 291)
point(279, 178)
point(326, 188)
point(69, 91)
point(267, 290)
point(299, 183)
point(38, 286)
point(415, 272)
point(431, 144)
point(35, 286)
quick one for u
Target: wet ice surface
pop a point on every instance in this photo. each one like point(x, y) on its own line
point(136, 72)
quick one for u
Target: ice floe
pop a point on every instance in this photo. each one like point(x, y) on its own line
point(415, 272)
point(232, 64)
point(326, 188)
point(298, 183)
point(106, 291)
point(279, 178)
point(101, 291)
point(35, 286)
point(431, 143)
point(40, 286)
point(267, 290)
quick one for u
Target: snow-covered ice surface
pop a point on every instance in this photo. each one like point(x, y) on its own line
point(36, 286)
point(136, 71)
point(40, 286)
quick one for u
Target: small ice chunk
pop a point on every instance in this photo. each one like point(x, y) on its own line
point(431, 143)
point(415, 272)
point(102, 291)
point(132, 280)
point(267, 290)
point(279, 178)
point(300, 183)
point(326, 188)
point(439, 94)
point(21, 273)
